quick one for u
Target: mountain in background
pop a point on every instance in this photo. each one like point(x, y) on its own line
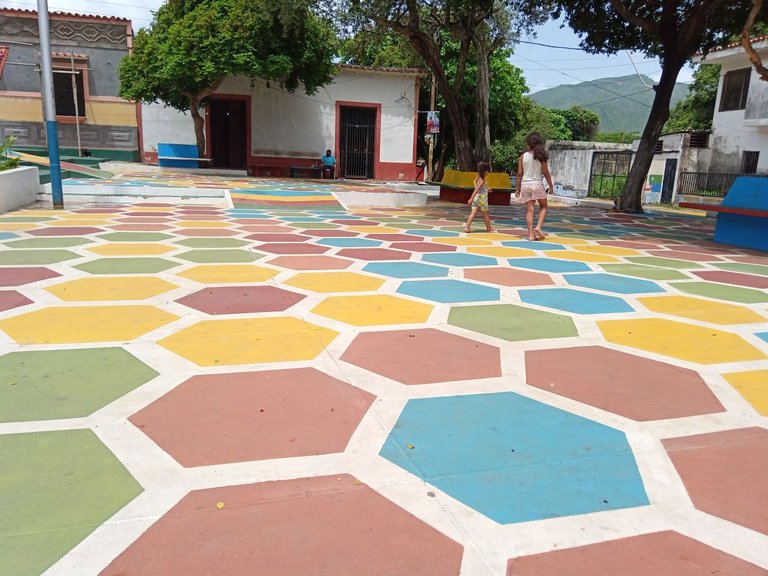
point(622, 103)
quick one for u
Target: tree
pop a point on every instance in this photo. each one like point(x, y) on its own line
point(695, 112)
point(479, 27)
point(582, 123)
point(193, 45)
point(672, 30)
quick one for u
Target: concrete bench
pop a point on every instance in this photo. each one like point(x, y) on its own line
point(178, 156)
point(312, 171)
point(742, 216)
point(457, 186)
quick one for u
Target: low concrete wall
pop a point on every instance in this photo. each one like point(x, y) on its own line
point(18, 187)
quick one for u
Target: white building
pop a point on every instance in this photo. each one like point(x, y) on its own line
point(739, 140)
point(368, 117)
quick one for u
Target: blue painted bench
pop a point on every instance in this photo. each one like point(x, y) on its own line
point(178, 156)
point(742, 216)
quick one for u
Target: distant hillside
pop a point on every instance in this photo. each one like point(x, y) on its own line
point(624, 113)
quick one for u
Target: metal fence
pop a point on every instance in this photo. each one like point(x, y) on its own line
point(608, 174)
point(704, 183)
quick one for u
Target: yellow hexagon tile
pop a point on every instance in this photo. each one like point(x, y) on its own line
point(565, 241)
point(702, 310)
point(89, 217)
point(501, 251)
point(129, 249)
point(13, 226)
point(201, 224)
point(374, 229)
point(373, 310)
point(249, 341)
point(680, 340)
point(117, 288)
point(579, 256)
point(462, 241)
point(495, 236)
point(228, 273)
point(610, 250)
point(334, 282)
point(753, 386)
point(62, 325)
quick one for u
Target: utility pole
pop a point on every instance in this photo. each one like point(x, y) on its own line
point(49, 104)
point(432, 100)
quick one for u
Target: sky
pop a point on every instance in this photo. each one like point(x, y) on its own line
point(543, 67)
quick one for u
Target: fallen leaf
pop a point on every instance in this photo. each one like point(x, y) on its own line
point(219, 505)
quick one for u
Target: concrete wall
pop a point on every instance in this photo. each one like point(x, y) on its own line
point(570, 164)
point(297, 125)
point(18, 187)
point(732, 132)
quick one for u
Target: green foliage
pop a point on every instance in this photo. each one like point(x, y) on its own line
point(379, 47)
point(617, 137)
point(582, 123)
point(504, 156)
point(192, 45)
point(696, 111)
point(608, 185)
point(8, 162)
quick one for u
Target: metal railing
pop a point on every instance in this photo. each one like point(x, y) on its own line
point(705, 183)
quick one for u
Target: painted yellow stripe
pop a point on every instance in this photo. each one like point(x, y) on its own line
point(286, 199)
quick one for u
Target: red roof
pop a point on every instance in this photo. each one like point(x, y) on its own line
point(390, 70)
point(64, 15)
point(738, 43)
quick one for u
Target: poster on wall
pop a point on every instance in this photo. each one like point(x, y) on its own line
point(433, 122)
point(3, 56)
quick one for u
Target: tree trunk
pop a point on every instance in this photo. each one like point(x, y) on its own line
point(632, 197)
point(463, 146)
point(199, 121)
point(482, 100)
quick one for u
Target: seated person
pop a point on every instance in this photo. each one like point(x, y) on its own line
point(327, 165)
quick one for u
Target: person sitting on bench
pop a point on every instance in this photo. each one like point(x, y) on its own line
point(328, 165)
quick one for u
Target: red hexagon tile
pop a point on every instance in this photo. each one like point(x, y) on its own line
point(243, 416)
point(658, 554)
point(18, 276)
point(241, 299)
point(311, 262)
point(726, 473)
point(322, 526)
point(508, 276)
point(10, 299)
point(424, 356)
point(625, 384)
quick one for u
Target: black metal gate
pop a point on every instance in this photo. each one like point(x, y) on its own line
point(609, 174)
point(358, 142)
point(668, 184)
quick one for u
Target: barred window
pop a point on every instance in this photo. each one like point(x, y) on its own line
point(64, 95)
point(735, 90)
point(749, 162)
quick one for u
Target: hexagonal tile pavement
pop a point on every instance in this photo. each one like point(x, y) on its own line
point(222, 418)
point(507, 277)
point(30, 257)
point(65, 231)
point(448, 291)
point(209, 256)
point(725, 473)
point(60, 325)
point(324, 526)
point(129, 288)
point(18, 276)
point(373, 310)
point(311, 262)
point(575, 301)
point(241, 299)
point(621, 383)
point(63, 485)
point(10, 299)
point(424, 356)
point(648, 272)
point(722, 292)
point(54, 384)
point(135, 236)
point(702, 310)
point(679, 340)
point(228, 274)
point(349, 242)
point(613, 283)
point(459, 259)
point(548, 265)
point(512, 323)
point(147, 265)
point(660, 553)
point(212, 242)
point(406, 270)
point(734, 278)
point(753, 386)
point(249, 341)
point(514, 459)
point(64, 242)
point(664, 262)
point(374, 254)
point(130, 249)
point(325, 282)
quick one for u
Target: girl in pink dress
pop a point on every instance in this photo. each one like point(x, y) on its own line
point(532, 169)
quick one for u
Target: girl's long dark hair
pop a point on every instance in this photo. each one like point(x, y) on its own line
point(535, 142)
point(483, 168)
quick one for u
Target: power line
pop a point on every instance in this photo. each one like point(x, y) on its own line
point(550, 45)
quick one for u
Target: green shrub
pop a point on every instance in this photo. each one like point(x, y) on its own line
point(8, 162)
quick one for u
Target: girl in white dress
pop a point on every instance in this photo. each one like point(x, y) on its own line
point(532, 169)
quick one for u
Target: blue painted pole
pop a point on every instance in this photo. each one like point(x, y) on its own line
point(51, 131)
